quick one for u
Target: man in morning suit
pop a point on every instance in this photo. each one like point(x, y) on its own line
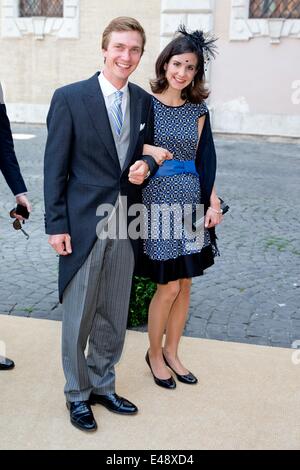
point(96, 132)
point(11, 171)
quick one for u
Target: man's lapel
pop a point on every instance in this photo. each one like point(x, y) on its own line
point(135, 122)
point(94, 101)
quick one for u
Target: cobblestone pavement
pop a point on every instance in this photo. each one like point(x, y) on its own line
point(250, 295)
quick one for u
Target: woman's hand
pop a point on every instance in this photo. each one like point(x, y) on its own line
point(212, 217)
point(213, 214)
point(158, 153)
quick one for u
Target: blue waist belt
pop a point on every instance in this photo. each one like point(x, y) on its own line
point(176, 167)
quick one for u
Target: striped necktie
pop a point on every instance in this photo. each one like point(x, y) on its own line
point(116, 111)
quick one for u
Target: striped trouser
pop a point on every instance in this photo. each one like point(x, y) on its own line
point(95, 305)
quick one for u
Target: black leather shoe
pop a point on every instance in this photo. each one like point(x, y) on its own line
point(186, 379)
point(81, 415)
point(166, 383)
point(115, 403)
point(6, 364)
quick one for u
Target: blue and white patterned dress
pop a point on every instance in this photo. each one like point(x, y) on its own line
point(171, 258)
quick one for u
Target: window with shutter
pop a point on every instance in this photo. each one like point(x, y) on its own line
point(274, 9)
point(49, 8)
point(275, 19)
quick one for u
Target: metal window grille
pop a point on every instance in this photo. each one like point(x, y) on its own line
point(52, 8)
point(289, 9)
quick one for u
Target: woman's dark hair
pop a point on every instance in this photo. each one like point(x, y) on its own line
point(181, 45)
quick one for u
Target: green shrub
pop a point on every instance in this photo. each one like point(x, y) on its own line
point(142, 292)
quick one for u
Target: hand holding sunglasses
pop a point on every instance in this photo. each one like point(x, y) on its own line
point(17, 225)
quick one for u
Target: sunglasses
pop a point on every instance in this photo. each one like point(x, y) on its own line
point(17, 225)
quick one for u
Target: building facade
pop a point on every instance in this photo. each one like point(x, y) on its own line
point(254, 81)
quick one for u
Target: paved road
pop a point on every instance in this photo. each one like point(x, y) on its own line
point(250, 295)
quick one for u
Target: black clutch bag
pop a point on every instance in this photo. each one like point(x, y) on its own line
point(198, 223)
point(224, 207)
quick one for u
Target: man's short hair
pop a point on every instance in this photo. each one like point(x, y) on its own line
point(123, 23)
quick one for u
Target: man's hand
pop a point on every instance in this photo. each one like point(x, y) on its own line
point(23, 201)
point(138, 172)
point(61, 244)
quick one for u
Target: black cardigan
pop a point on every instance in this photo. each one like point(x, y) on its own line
point(206, 164)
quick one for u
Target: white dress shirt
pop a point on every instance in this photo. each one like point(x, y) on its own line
point(108, 91)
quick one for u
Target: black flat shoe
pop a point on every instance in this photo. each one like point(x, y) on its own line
point(166, 383)
point(186, 379)
point(114, 402)
point(6, 364)
point(81, 415)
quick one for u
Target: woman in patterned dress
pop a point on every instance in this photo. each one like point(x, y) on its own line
point(181, 131)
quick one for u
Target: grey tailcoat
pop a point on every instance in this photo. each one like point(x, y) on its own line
point(82, 168)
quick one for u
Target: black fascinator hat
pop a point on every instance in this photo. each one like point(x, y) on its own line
point(202, 43)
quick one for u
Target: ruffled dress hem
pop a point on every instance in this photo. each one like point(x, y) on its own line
point(183, 267)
